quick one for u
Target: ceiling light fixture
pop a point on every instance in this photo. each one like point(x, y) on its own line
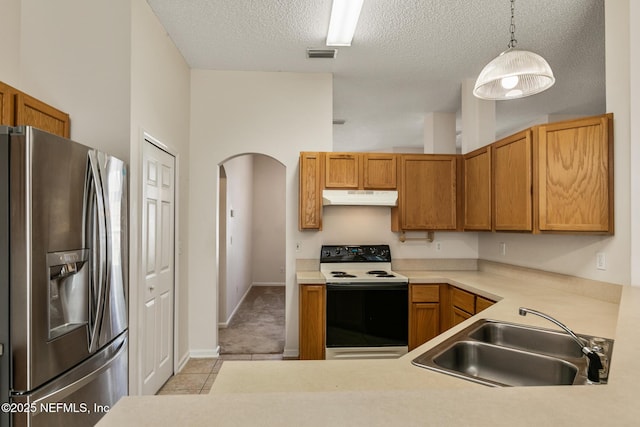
point(344, 19)
point(514, 73)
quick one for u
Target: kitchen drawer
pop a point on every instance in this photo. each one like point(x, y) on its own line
point(425, 293)
point(463, 300)
point(483, 303)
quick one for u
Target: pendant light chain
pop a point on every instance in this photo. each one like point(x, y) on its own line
point(513, 42)
point(515, 73)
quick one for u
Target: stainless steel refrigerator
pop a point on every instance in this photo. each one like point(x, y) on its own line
point(63, 280)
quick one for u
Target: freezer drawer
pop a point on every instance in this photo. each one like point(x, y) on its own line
point(81, 396)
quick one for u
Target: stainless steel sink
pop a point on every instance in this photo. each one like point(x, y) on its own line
point(502, 354)
point(494, 365)
point(552, 343)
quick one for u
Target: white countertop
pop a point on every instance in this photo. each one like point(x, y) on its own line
point(394, 392)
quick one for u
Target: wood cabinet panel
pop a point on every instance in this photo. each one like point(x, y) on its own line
point(424, 323)
point(7, 100)
point(425, 293)
point(312, 322)
point(19, 109)
point(379, 171)
point(342, 170)
point(575, 175)
point(310, 191)
point(482, 304)
point(463, 300)
point(512, 183)
point(33, 112)
point(428, 196)
point(424, 313)
point(458, 316)
point(477, 189)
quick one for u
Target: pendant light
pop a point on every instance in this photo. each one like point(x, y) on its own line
point(514, 73)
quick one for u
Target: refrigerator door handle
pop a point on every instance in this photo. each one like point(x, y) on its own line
point(97, 231)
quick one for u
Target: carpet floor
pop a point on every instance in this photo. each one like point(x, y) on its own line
point(258, 325)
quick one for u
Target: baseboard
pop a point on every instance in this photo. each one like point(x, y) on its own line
point(268, 284)
point(182, 362)
point(205, 353)
point(233, 313)
point(293, 353)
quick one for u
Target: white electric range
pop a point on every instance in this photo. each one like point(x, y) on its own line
point(367, 303)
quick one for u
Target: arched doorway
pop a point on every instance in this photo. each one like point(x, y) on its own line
point(251, 256)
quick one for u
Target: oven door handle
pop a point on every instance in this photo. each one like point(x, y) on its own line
point(369, 286)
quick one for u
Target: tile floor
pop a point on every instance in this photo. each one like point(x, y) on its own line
point(198, 375)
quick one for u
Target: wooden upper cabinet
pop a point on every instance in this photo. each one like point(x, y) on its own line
point(19, 109)
point(342, 170)
point(379, 171)
point(7, 100)
point(512, 183)
point(428, 192)
point(575, 175)
point(477, 189)
point(33, 112)
point(310, 191)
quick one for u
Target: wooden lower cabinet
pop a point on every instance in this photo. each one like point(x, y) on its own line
point(312, 321)
point(483, 303)
point(465, 304)
point(424, 313)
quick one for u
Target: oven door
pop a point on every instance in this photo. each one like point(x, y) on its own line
point(366, 316)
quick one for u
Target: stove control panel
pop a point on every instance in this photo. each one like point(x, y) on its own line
point(355, 253)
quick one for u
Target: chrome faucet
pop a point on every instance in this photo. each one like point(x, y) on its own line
point(595, 364)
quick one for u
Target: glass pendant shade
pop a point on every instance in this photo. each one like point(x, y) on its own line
point(514, 74)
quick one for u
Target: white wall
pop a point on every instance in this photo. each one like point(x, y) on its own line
point(269, 227)
point(576, 255)
point(276, 114)
point(159, 99)
point(10, 42)
point(634, 96)
point(239, 239)
point(75, 55)
point(372, 225)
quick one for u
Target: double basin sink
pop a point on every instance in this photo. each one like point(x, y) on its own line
point(501, 354)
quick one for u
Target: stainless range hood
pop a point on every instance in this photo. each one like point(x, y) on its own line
point(359, 198)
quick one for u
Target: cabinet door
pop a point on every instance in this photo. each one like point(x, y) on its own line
point(459, 316)
point(312, 322)
point(428, 199)
point(33, 112)
point(575, 175)
point(477, 189)
point(512, 183)
point(7, 100)
point(310, 197)
point(482, 304)
point(379, 171)
point(342, 170)
point(424, 323)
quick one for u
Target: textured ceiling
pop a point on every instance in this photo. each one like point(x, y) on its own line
point(408, 57)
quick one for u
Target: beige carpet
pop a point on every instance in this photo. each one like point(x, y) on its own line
point(258, 325)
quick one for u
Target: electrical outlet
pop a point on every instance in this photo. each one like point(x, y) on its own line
point(601, 261)
point(438, 246)
point(298, 246)
point(503, 248)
